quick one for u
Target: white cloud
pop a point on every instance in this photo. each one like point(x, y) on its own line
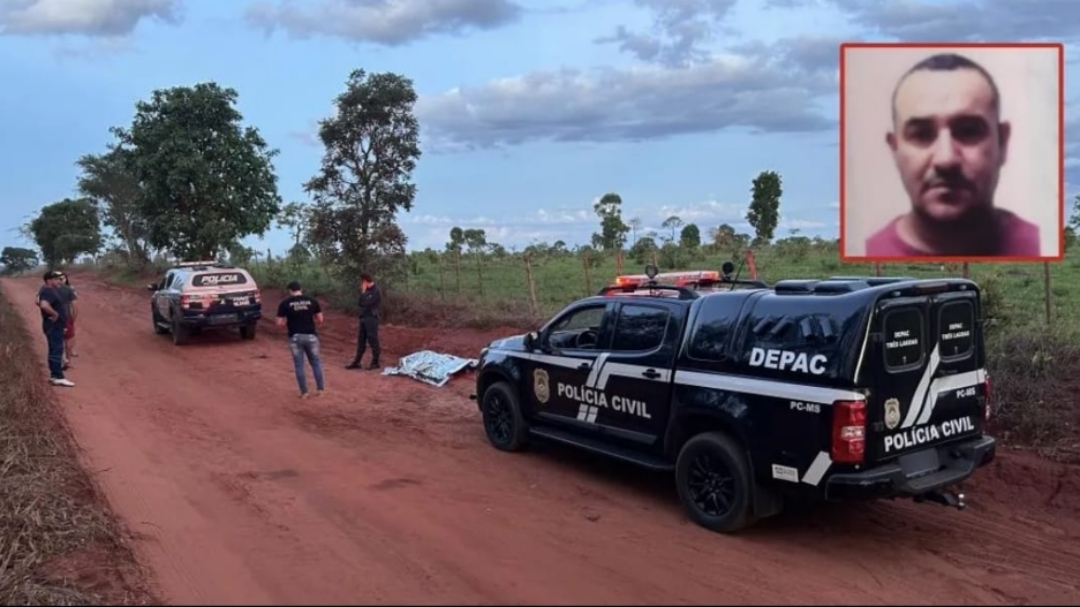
point(109, 18)
point(627, 104)
point(385, 22)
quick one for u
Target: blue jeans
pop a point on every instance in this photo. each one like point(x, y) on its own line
point(304, 345)
point(54, 335)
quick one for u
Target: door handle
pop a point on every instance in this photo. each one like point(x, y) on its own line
point(584, 366)
point(651, 373)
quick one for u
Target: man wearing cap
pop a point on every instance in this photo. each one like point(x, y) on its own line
point(370, 302)
point(53, 320)
point(300, 313)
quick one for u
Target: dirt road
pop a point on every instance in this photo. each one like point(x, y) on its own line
point(386, 491)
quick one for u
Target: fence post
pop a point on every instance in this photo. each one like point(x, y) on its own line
point(442, 279)
point(1046, 282)
point(618, 261)
point(588, 279)
point(751, 264)
point(480, 275)
point(457, 269)
point(967, 272)
point(532, 284)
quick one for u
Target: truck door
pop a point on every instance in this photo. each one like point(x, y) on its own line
point(560, 374)
point(634, 372)
point(929, 385)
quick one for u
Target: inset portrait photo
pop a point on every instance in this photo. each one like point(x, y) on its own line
point(951, 152)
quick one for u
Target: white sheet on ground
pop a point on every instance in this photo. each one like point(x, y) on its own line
point(431, 367)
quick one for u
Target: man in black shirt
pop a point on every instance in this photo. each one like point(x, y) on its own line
point(300, 313)
point(53, 320)
point(370, 302)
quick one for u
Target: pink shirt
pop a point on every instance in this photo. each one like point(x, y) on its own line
point(1019, 239)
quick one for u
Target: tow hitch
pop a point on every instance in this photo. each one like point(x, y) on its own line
point(945, 498)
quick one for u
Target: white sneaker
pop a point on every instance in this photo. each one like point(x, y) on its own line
point(67, 383)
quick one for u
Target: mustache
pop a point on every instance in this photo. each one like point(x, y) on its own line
point(953, 181)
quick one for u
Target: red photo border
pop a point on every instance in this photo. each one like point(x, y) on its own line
point(1061, 151)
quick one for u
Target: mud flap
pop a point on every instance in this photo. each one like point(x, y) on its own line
point(767, 502)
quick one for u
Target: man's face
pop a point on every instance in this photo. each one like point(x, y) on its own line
point(948, 144)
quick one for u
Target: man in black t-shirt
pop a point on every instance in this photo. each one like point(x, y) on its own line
point(300, 313)
point(53, 319)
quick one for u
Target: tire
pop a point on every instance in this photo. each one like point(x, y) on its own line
point(715, 463)
point(504, 423)
point(247, 332)
point(157, 322)
point(179, 332)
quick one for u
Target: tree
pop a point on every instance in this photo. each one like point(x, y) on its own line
point(643, 249)
point(66, 229)
point(476, 240)
point(17, 260)
point(613, 230)
point(109, 180)
point(635, 225)
point(690, 237)
point(207, 181)
point(372, 144)
point(293, 217)
point(764, 212)
point(673, 223)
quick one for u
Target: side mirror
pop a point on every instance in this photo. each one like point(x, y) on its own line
point(151, 287)
point(529, 341)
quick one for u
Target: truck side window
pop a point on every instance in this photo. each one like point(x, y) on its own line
point(640, 328)
point(714, 325)
point(579, 329)
point(955, 321)
point(903, 339)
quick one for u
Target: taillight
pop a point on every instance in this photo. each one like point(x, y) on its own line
point(988, 400)
point(258, 296)
point(187, 301)
point(849, 431)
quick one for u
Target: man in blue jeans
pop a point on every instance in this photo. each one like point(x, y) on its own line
point(53, 321)
point(300, 314)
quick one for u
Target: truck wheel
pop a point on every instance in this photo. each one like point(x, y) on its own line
point(156, 320)
point(712, 476)
point(247, 332)
point(179, 332)
point(503, 421)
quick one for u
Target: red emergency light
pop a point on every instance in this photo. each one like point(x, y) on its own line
point(668, 278)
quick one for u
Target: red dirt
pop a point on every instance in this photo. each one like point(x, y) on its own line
point(386, 491)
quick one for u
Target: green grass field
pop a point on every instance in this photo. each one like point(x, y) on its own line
point(498, 292)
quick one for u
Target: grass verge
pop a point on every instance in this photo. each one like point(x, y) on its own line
point(58, 544)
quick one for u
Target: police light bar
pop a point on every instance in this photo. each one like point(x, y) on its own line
point(190, 264)
point(668, 278)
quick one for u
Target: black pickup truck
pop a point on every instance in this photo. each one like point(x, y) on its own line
point(836, 389)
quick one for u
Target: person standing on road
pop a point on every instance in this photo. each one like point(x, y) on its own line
point(300, 313)
point(69, 297)
point(370, 303)
point(53, 320)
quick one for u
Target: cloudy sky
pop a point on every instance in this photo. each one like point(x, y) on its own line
point(530, 109)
